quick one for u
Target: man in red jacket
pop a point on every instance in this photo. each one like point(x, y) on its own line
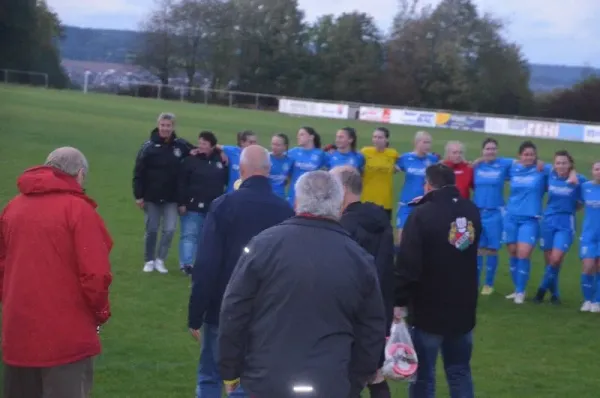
point(463, 171)
point(54, 280)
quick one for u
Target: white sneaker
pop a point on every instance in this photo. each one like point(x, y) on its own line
point(159, 265)
point(149, 266)
point(586, 307)
point(595, 308)
point(511, 296)
point(519, 298)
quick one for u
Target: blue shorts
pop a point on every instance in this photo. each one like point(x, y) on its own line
point(491, 233)
point(557, 232)
point(518, 229)
point(402, 215)
point(589, 246)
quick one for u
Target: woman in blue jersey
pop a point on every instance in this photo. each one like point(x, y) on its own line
point(281, 164)
point(558, 222)
point(413, 164)
point(589, 246)
point(244, 139)
point(345, 153)
point(490, 174)
point(523, 211)
point(307, 156)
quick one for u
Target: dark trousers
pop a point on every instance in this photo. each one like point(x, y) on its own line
point(456, 354)
point(73, 380)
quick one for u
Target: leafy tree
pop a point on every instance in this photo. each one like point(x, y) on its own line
point(581, 102)
point(158, 47)
point(29, 33)
point(348, 57)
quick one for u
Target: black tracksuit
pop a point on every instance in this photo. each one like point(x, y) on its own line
point(436, 267)
point(202, 179)
point(157, 168)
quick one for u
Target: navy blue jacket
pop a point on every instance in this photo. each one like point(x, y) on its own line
point(232, 221)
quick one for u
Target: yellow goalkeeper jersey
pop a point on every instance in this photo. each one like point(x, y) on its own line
point(378, 176)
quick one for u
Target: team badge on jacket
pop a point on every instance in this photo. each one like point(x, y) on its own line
point(462, 233)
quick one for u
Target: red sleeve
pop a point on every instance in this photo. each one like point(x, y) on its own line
point(92, 246)
point(2, 254)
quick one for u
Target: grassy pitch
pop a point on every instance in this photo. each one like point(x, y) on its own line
point(520, 352)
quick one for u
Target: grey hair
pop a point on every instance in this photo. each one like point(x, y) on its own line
point(350, 178)
point(265, 165)
point(166, 116)
point(450, 144)
point(319, 193)
point(68, 159)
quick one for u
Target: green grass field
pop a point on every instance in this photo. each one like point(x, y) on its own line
point(520, 352)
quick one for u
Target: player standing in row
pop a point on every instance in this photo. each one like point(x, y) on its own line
point(345, 153)
point(589, 246)
point(244, 139)
point(413, 164)
point(379, 169)
point(523, 211)
point(558, 223)
point(490, 174)
point(307, 156)
point(454, 158)
point(281, 164)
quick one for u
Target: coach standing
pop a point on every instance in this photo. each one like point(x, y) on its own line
point(369, 225)
point(54, 280)
point(437, 279)
point(303, 315)
point(155, 188)
point(231, 222)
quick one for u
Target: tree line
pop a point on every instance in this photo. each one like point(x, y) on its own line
point(450, 56)
point(29, 32)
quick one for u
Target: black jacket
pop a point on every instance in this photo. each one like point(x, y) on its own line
point(157, 168)
point(436, 267)
point(202, 179)
point(302, 307)
point(369, 225)
point(232, 220)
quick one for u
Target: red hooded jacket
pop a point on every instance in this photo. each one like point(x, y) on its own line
point(54, 272)
point(464, 177)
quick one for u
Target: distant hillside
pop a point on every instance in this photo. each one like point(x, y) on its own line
point(98, 45)
point(117, 46)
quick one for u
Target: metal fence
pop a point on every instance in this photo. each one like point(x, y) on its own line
point(11, 76)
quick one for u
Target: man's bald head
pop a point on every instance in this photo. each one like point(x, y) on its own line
point(70, 161)
point(254, 161)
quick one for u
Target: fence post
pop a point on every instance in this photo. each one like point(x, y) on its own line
point(46, 80)
point(256, 104)
point(158, 91)
point(230, 99)
point(6, 72)
point(181, 93)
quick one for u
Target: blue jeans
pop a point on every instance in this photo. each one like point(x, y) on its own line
point(210, 384)
point(153, 213)
point(191, 227)
point(456, 353)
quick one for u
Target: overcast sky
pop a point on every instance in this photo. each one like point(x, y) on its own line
point(550, 31)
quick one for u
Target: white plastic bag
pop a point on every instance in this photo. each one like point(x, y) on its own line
point(400, 356)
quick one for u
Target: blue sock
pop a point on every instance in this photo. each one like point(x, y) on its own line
point(597, 298)
point(554, 285)
point(490, 272)
point(523, 274)
point(479, 267)
point(547, 279)
point(587, 287)
point(514, 263)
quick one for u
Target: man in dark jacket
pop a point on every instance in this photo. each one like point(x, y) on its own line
point(155, 188)
point(437, 279)
point(369, 225)
point(202, 178)
point(233, 219)
point(302, 314)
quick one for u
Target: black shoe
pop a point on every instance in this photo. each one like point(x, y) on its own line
point(187, 270)
point(539, 297)
point(555, 300)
